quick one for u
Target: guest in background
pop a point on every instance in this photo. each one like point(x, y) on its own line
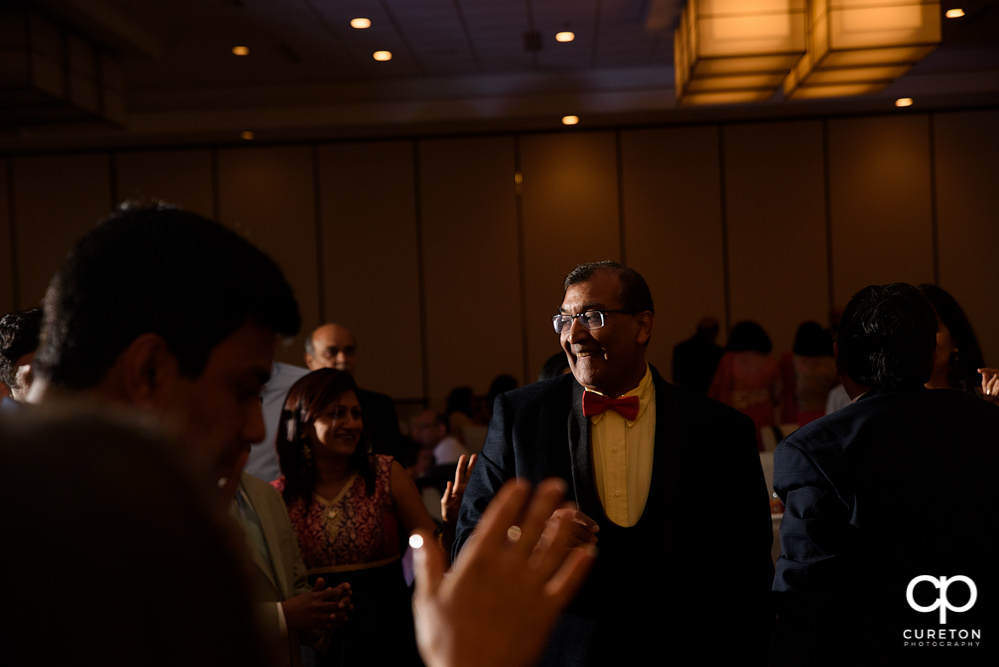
point(263, 463)
point(430, 430)
point(555, 365)
point(351, 511)
point(458, 411)
point(808, 373)
point(19, 333)
point(334, 346)
point(958, 355)
point(747, 377)
point(695, 359)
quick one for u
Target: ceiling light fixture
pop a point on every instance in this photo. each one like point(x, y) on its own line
point(856, 47)
point(382, 56)
point(736, 50)
point(246, 135)
point(565, 36)
point(240, 50)
point(903, 102)
point(570, 120)
point(955, 13)
point(360, 23)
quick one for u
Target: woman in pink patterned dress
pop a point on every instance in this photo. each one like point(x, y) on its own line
point(352, 511)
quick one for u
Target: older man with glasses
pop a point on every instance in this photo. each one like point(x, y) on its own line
point(666, 485)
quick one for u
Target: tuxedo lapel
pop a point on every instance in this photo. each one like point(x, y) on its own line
point(579, 452)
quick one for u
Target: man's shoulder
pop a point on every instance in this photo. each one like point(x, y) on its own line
point(258, 490)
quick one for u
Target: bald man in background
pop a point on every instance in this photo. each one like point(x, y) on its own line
point(334, 346)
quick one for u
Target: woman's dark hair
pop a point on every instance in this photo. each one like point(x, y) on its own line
point(967, 359)
point(459, 400)
point(306, 401)
point(748, 336)
point(812, 340)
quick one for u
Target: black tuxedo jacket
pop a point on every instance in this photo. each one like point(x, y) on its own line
point(694, 572)
point(895, 486)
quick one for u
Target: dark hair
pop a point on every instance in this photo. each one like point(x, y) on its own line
point(157, 269)
point(306, 401)
point(887, 337)
point(18, 336)
point(965, 362)
point(812, 340)
point(460, 400)
point(748, 336)
point(635, 294)
point(554, 366)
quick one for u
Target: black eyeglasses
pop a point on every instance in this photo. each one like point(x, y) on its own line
point(590, 320)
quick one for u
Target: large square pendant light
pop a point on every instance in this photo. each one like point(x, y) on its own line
point(736, 50)
point(858, 47)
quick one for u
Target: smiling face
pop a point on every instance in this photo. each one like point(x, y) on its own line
point(610, 359)
point(336, 432)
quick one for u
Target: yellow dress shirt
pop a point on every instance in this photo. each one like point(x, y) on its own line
point(622, 456)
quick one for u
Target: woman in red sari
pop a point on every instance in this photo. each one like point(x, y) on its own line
point(352, 511)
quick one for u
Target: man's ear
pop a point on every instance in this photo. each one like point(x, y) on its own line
point(645, 321)
point(147, 371)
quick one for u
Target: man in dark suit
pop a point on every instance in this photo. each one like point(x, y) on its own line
point(334, 346)
point(666, 484)
point(890, 530)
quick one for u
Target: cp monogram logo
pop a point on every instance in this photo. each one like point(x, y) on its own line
point(942, 603)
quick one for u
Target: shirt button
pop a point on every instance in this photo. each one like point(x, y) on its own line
point(617, 494)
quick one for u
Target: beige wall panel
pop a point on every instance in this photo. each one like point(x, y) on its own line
point(56, 200)
point(879, 202)
point(673, 230)
point(183, 178)
point(7, 268)
point(471, 265)
point(776, 223)
point(967, 174)
point(370, 266)
point(268, 195)
point(570, 216)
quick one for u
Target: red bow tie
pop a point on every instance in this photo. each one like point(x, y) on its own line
point(595, 404)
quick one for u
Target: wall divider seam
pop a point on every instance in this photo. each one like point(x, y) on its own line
point(421, 283)
point(521, 255)
point(317, 190)
point(934, 210)
point(827, 208)
point(15, 283)
point(723, 211)
point(618, 158)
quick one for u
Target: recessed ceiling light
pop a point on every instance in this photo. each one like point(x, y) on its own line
point(955, 13)
point(565, 36)
point(903, 102)
point(240, 50)
point(246, 135)
point(382, 56)
point(570, 120)
point(360, 24)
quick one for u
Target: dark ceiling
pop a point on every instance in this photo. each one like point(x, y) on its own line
point(168, 74)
